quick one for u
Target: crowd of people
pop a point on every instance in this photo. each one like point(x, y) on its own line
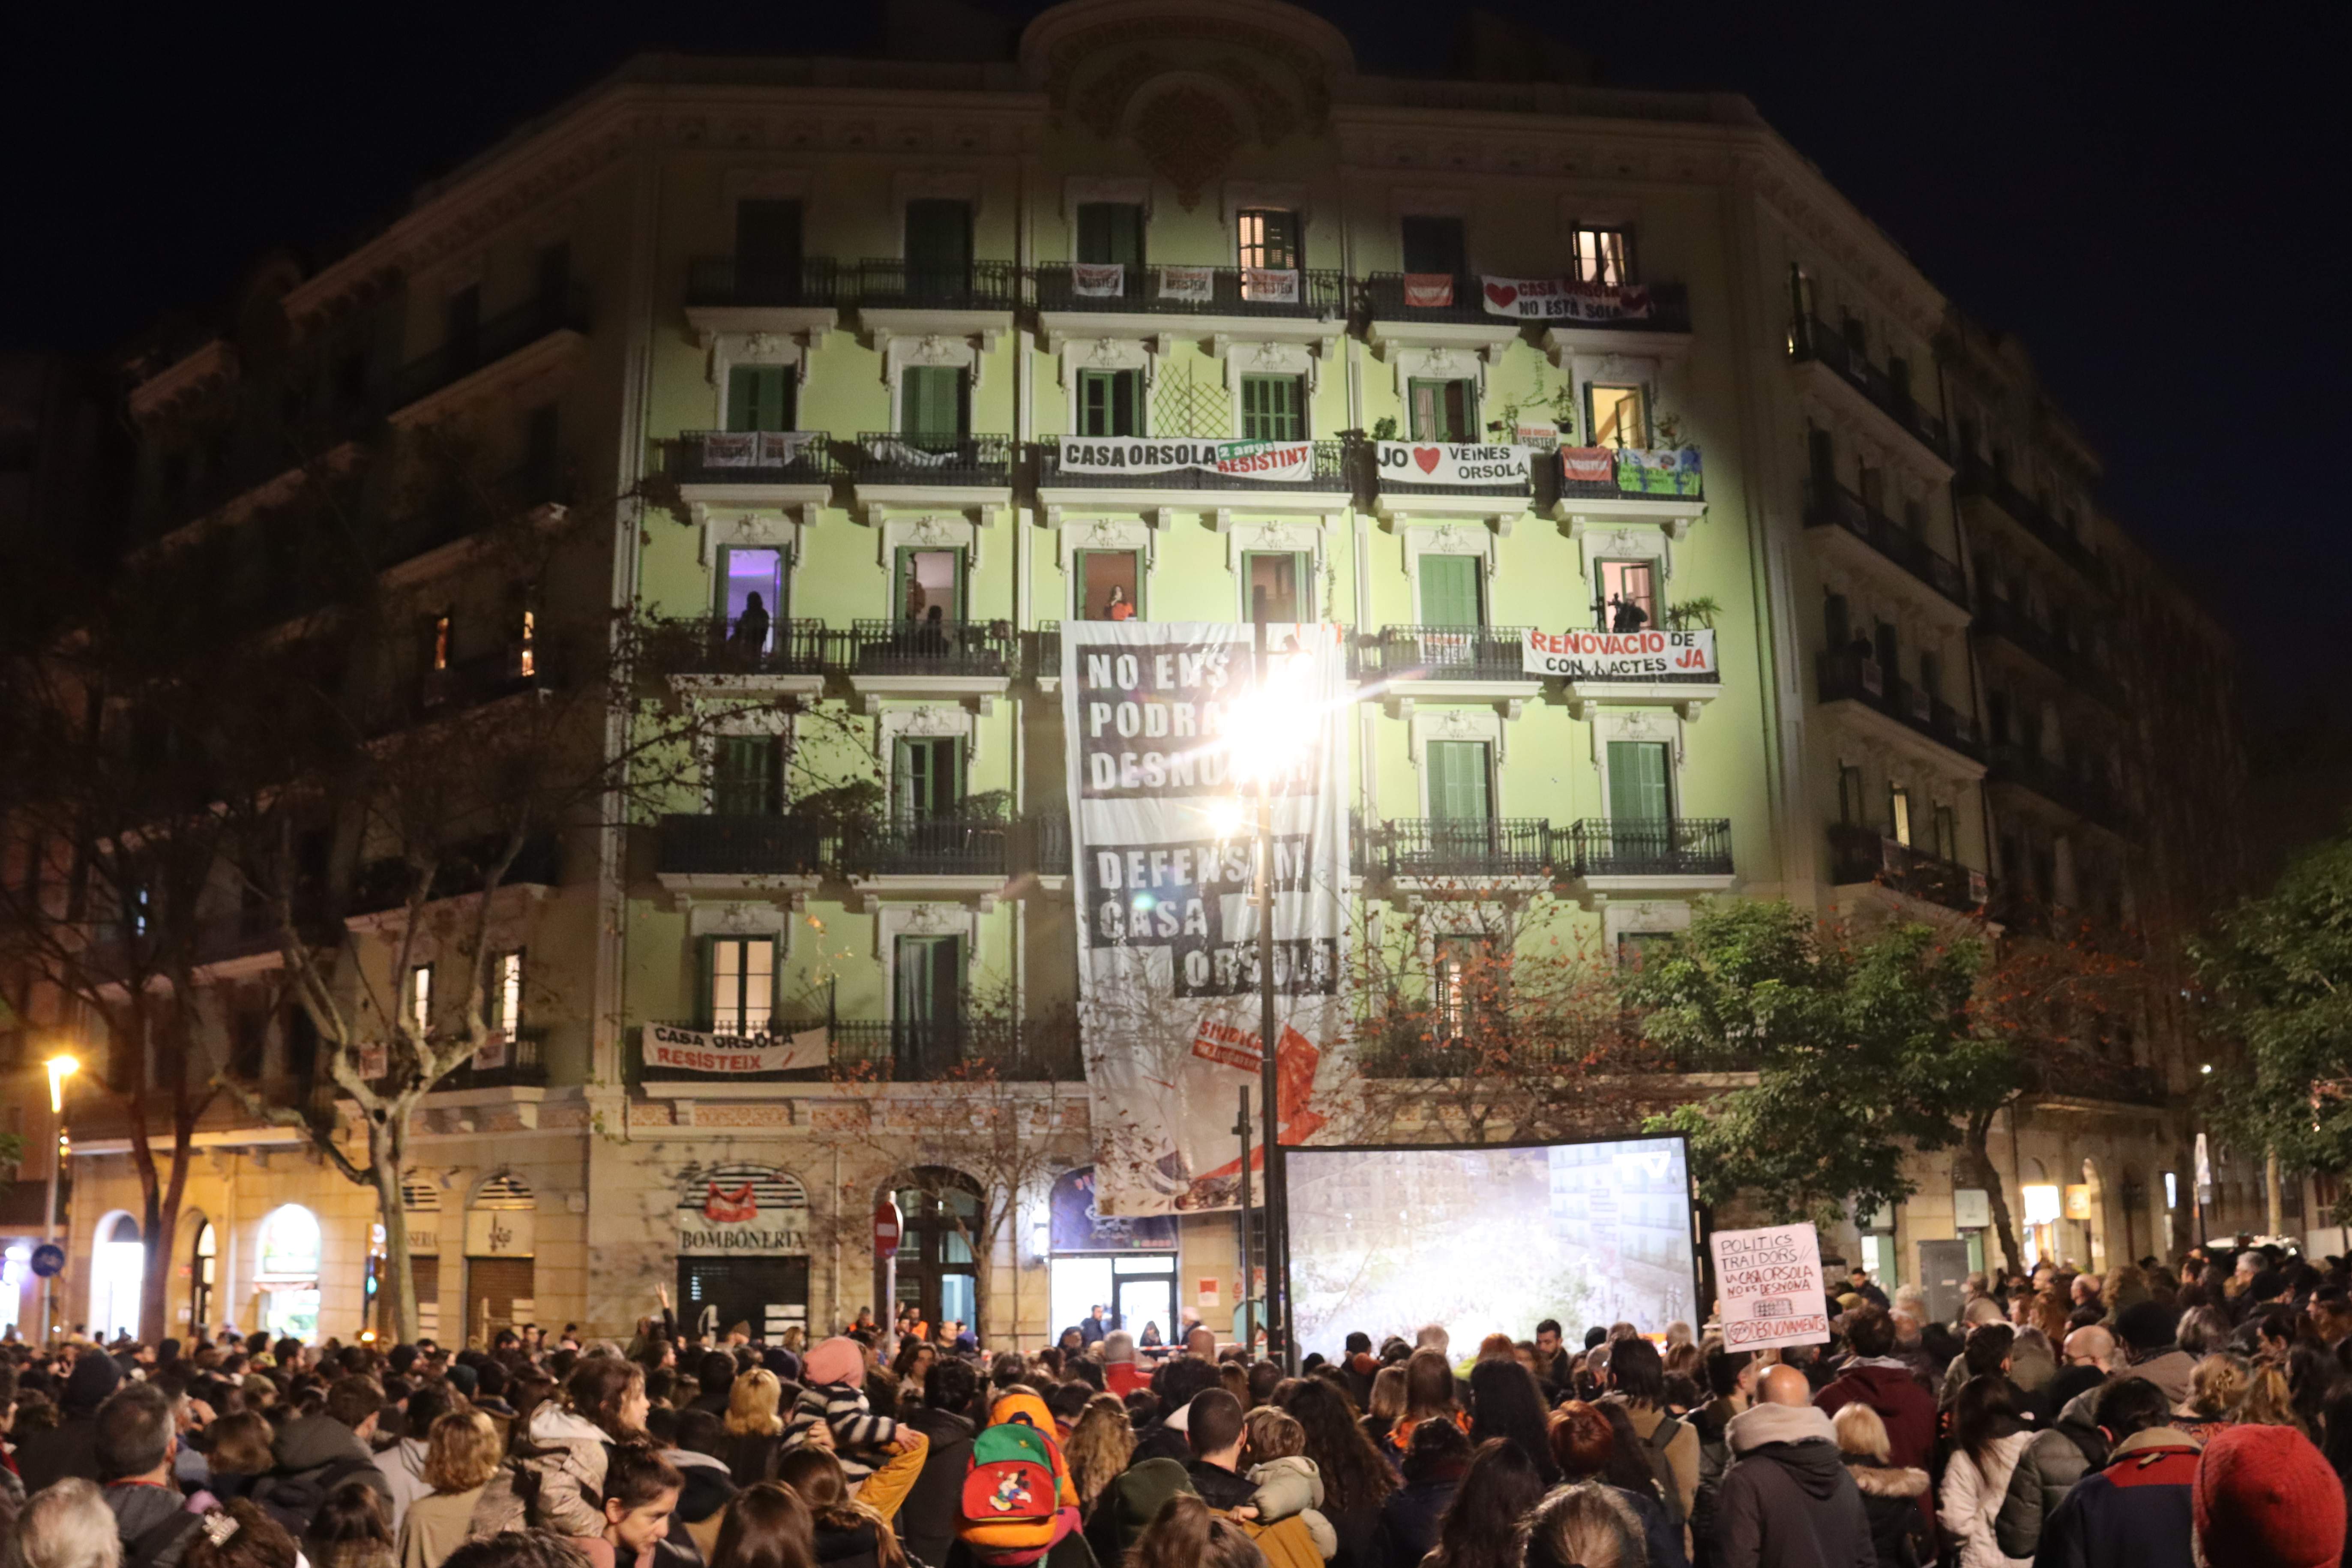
point(2153, 1418)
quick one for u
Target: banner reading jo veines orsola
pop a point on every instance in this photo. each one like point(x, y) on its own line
point(1168, 965)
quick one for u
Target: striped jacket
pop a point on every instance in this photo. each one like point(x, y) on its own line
point(857, 1432)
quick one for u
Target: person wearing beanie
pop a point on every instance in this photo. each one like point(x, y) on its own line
point(72, 1448)
point(2147, 1330)
point(2264, 1498)
point(833, 1395)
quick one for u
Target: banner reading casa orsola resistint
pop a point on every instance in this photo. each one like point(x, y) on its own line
point(692, 1050)
point(1167, 973)
point(1767, 1286)
point(1285, 462)
point(1618, 655)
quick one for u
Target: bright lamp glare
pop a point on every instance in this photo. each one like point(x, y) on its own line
point(1226, 816)
point(1269, 728)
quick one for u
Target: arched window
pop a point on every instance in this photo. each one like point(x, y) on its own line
point(203, 1276)
point(286, 1273)
point(118, 1265)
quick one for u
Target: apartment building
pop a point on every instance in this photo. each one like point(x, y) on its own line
point(849, 368)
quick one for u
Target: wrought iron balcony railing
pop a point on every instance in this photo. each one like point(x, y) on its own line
point(742, 844)
point(1441, 653)
point(2028, 769)
point(806, 281)
point(713, 645)
point(1383, 297)
point(2043, 642)
point(1834, 506)
point(960, 1048)
point(1650, 846)
point(492, 340)
point(1849, 676)
point(1866, 855)
point(1978, 477)
point(1462, 849)
point(932, 647)
point(1151, 289)
point(893, 283)
point(753, 457)
point(1329, 472)
point(1810, 338)
point(886, 458)
point(952, 846)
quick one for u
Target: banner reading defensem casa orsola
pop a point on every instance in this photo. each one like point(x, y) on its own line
point(1618, 656)
point(1168, 960)
point(1768, 1284)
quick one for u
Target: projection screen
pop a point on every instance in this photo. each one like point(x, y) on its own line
point(1493, 1240)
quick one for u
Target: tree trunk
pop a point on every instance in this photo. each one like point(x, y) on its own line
point(388, 1146)
point(1978, 1146)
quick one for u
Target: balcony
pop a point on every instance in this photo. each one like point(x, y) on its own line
point(752, 468)
point(1834, 514)
point(2119, 1083)
point(2024, 768)
point(1041, 654)
point(1850, 678)
point(463, 685)
point(968, 474)
point(712, 852)
point(1188, 482)
point(1404, 666)
point(1321, 295)
point(382, 886)
point(965, 660)
point(1860, 855)
point(2010, 622)
point(519, 1059)
point(900, 1050)
point(1588, 485)
point(1980, 481)
point(1046, 851)
point(890, 283)
point(1813, 341)
point(1402, 479)
point(1461, 857)
point(963, 855)
point(1642, 853)
point(1384, 298)
point(559, 315)
point(707, 653)
point(723, 282)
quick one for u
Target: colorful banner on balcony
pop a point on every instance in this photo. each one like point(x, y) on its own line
point(1564, 299)
point(1635, 470)
point(1168, 970)
point(1618, 656)
point(756, 448)
point(1188, 285)
point(1445, 463)
point(1270, 285)
point(723, 1055)
point(1428, 291)
point(1098, 279)
point(1282, 462)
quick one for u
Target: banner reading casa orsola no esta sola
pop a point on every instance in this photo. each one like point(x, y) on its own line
point(1167, 972)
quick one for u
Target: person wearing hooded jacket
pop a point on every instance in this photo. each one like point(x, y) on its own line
point(1874, 1378)
point(2135, 1512)
point(1788, 1501)
point(72, 1448)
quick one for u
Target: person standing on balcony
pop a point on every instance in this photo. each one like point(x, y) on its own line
point(1117, 608)
point(750, 638)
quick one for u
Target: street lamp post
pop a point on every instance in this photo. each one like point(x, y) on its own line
point(61, 1067)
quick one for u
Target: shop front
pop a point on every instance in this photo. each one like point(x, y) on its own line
point(1126, 1267)
point(501, 1240)
point(743, 1251)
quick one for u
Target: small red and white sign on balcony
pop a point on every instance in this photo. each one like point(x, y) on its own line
point(1564, 299)
point(1270, 285)
point(1098, 279)
point(495, 1051)
point(1188, 285)
point(1428, 291)
point(692, 1050)
point(1620, 656)
point(1446, 463)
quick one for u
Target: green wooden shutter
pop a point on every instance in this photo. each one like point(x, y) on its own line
point(931, 401)
point(748, 776)
point(939, 242)
point(1458, 784)
point(1449, 591)
point(1108, 403)
point(904, 574)
point(1639, 790)
point(1443, 410)
point(928, 978)
point(927, 778)
point(1273, 408)
point(1111, 232)
point(758, 397)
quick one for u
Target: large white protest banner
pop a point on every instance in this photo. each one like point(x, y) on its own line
point(1768, 1287)
point(1281, 462)
point(693, 1051)
point(1167, 959)
point(1564, 299)
point(1618, 656)
point(1450, 463)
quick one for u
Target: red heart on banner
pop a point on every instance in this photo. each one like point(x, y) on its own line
point(1501, 293)
point(1427, 458)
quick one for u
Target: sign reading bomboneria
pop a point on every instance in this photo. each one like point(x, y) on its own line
point(1448, 463)
point(1284, 462)
point(1618, 656)
point(1167, 955)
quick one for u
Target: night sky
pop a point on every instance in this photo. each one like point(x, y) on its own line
point(2147, 204)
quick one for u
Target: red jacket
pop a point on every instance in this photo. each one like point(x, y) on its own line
point(1124, 1377)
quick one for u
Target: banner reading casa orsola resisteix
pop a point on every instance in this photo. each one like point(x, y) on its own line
point(1168, 981)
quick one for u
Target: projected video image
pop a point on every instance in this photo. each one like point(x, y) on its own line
point(1488, 1240)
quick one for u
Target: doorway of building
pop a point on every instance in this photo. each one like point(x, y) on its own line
point(203, 1262)
point(766, 1295)
point(118, 1265)
point(1143, 1291)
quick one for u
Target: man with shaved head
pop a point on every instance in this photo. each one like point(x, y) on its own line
point(1787, 1497)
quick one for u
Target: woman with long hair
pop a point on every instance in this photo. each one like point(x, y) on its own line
point(767, 1526)
point(1504, 1403)
point(1890, 1492)
point(2216, 1383)
point(848, 1535)
point(2268, 1400)
point(1356, 1478)
point(1482, 1529)
point(1429, 1395)
point(605, 1404)
point(755, 1432)
point(1987, 1440)
point(1597, 1444)
point(1585, 1527)
point(462, 1453)
point(1101, 1443)
point(910, 1366)
point(350, 1529)
point(1184, 1533)
point(1384, 1405)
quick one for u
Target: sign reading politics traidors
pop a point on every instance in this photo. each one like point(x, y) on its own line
point(692, 1050)
point(1288, 462)
point(1167, 955)
point(1448, 463)
point(1768, 1287)
point(1618, 656)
